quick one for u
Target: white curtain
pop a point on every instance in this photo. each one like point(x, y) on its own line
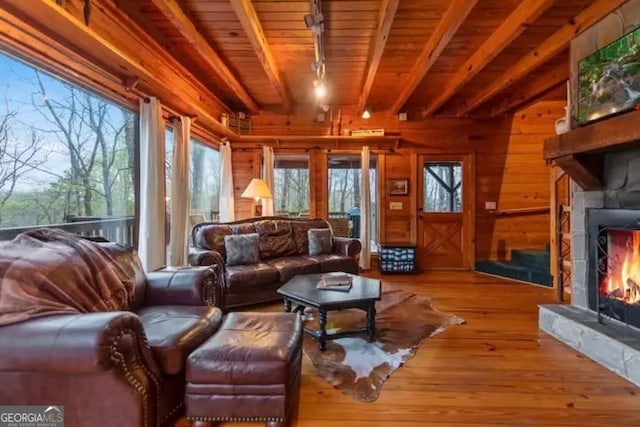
point(151, 234)
point(365, 211)
point(267, 174)
point(180, 192)
point(227, 206)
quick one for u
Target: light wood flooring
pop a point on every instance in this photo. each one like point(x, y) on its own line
point(498, 369)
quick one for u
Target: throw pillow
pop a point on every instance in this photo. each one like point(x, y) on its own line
point(320, 241)
point(242, 249)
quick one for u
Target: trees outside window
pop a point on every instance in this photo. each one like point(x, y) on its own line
point(204, 178)
point(442, 187)
point(291, 185)
point(65, 154)
point(344, 195)
point(204, 181)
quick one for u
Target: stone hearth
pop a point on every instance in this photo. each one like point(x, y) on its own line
point(610, 343)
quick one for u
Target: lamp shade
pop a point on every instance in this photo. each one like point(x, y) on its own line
point(257, 189)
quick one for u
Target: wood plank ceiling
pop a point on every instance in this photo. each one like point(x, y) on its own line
point(408, 55)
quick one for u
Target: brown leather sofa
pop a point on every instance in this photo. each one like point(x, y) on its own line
point(113, 369)
point(284, 253)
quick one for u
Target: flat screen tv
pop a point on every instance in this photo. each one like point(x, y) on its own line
point(609, 79)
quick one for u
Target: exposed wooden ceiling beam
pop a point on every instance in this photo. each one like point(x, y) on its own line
point(385, 21)
point(527, 12)
point(533, 89)
point(550, 47)
point(253, 29)
point(447, 27)
point(181, 22)
point(115, 43)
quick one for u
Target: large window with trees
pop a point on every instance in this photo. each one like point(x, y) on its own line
point(291, 182)
point(204, 182)
point(66, 156)
point(204, 179)
point(344, 195)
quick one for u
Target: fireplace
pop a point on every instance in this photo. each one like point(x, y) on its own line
point(613, 278)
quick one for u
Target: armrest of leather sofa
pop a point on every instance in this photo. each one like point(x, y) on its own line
point(183, 286)
point(76, 344)
point(347, 247)
point(199, 257)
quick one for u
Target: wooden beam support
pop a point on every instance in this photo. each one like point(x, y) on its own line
point(385, 21)
point(546, 50)
point(453, 17)
point(524, 15)
point(253, 29)
point(533, 89)
point(116, 44)
point(181, 22)
point(586, 171)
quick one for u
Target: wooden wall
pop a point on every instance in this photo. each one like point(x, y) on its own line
point(510, 170)
point(508, 162)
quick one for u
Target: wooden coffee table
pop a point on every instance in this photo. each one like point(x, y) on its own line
point(363, 295)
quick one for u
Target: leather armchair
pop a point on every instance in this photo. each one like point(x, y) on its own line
point(113, 369)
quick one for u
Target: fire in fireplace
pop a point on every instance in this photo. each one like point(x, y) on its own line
point(614, 264)
point(621, 281)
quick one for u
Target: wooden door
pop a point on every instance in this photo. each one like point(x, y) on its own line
point(444, 215)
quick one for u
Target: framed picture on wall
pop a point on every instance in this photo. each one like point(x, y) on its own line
point(398, 187)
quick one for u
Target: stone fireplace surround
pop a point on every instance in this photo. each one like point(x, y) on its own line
point(610, 343)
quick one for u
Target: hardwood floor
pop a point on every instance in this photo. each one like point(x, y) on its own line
point(498, 369)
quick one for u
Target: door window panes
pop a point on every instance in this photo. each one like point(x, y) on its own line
point(442, 187)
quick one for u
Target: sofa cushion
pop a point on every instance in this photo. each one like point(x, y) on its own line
point(175, 331)
point(246, 276)
point(320, 241)
point(300, 233)
point(294, 265)
point(211, 236)
point(334, 262)
point(243, 228)
point(242, 249)
point(276, 238)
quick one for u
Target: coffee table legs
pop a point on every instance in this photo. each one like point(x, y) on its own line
point(287, 305)
point(322, 338)
point(371, 321)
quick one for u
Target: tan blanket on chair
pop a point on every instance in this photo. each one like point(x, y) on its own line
point(47, 271)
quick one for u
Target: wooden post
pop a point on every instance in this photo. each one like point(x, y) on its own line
point(553, 228)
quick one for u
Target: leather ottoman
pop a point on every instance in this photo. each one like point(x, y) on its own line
point(247, 371)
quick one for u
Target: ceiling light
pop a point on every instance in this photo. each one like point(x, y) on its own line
point(366, 114)
point(320, 90)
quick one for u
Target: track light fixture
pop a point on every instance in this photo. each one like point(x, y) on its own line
point(315, 21)
point(320, 89)
point(366, 114)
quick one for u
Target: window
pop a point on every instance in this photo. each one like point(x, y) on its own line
point(291, 186)
point(204, 180)
point(66, 155)
point(204, 183)
point(344, 196)
point(442, 187)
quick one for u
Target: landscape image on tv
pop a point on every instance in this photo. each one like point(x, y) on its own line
point(609, 79)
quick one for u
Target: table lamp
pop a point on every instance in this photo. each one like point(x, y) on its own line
point(257, 190)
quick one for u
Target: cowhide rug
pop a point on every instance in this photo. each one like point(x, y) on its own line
point(359, 368)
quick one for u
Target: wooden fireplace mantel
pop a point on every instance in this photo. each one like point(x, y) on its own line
point(580, 152)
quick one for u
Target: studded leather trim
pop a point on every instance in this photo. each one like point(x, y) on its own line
point(121, 361)
point(238, 419)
